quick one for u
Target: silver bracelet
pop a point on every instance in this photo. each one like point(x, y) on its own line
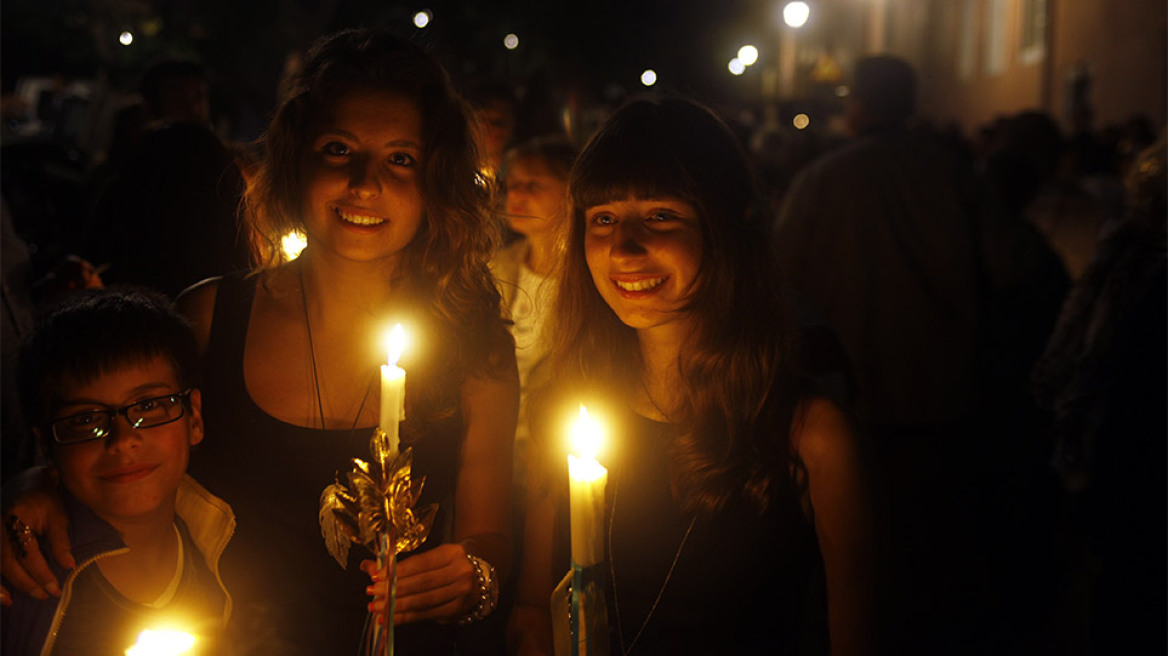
point(488, 597)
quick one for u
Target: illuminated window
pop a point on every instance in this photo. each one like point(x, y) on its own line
point(967, 43)
point(996, 23)
point(1032, 46)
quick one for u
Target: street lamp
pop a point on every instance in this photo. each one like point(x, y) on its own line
point(795, 14)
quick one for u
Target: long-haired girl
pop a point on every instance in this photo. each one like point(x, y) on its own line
point(736, 498)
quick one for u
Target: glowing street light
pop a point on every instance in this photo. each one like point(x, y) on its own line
point(649, 77)
point(511, 42)
point(736, 66)
point(422, 19)
point(126, 38)
point(795, 14)
point(747, 54)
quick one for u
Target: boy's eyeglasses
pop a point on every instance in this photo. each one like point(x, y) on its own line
point(96, 424)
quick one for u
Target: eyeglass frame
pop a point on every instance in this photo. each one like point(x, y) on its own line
point(111, 414)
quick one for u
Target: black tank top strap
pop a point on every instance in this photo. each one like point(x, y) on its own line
point(224, 364)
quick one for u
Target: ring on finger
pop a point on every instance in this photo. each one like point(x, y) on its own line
point(19, 534)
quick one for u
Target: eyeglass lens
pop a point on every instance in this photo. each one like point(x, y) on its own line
point(97, 423)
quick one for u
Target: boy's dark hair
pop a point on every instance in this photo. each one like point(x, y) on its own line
point(95, 332)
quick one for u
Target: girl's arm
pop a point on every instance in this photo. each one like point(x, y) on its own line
point(529, 631)
point(34, 498)
point(844, 510)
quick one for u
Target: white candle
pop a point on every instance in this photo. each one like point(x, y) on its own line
point(586, 478)
point(393, 389)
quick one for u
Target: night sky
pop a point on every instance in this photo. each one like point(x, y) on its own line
point(596, 49)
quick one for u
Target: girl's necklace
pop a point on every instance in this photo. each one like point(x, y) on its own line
point(612, 575)
point(312, 360)
point(611, 557)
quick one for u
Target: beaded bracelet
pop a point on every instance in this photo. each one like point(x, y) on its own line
point(488, 597)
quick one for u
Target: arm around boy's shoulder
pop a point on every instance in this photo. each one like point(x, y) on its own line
point(26, 624)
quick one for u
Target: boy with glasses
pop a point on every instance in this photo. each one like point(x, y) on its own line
point(109, 382)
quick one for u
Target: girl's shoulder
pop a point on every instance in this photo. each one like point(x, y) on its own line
point(198, 302)
point(821, 430)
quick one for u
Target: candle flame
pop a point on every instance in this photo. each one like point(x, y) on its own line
point(397, 343)
point(587, 435)
point(161, 643)
point(292, 244)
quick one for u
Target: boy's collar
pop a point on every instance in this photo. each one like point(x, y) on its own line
point(89, 534)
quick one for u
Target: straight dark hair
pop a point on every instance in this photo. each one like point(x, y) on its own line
point(95, 332)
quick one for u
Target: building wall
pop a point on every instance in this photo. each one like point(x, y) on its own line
point(1125, 48)
point(974, 64)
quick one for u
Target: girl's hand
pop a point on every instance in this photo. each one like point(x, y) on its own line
point(36, 504)
point(439, 584)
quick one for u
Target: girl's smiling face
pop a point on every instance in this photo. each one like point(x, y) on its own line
point(644, 256)
point(360, 174)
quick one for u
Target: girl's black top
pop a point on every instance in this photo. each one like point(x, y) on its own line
point(290, 596)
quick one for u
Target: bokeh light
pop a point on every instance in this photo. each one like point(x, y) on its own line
point(795, 14)
point(126, 38)
point(422, 19)
point(292, 244)
point(747, 54)
point(511, 42)
point(649, 77)
point(801, 121)
point(736, 66)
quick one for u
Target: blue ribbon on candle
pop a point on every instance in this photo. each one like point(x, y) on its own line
point(587, 611)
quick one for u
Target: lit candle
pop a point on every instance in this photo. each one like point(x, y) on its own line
point(160, 642)
point(393, 389)
point(587, 479)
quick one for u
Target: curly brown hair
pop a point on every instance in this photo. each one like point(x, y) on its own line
point(444, 270)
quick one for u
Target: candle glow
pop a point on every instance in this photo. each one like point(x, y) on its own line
point(155, 642)
point(586, 436)
point(587, 479)
point(393, 387)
